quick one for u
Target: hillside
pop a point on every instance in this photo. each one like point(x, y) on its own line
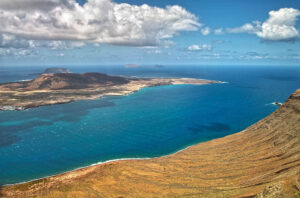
point(58, 88)
point(54, 70)
point(55, 81)
point(261, 161)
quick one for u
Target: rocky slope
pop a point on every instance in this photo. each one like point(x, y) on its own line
point(261, 161)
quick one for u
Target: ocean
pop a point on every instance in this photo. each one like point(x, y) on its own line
point(152, 122)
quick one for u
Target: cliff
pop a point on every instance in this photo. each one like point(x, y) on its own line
point(261, 161)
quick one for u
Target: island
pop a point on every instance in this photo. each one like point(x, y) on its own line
point(52, 70)
point(55, 70)
point(260, 161)
point(64, 87)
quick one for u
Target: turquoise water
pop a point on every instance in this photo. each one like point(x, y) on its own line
point(152, 122)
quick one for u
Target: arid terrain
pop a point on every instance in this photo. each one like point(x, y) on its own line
point(56, 88)
point(261, 161)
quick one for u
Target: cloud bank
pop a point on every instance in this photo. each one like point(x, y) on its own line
point(280, 26)
point(97, 21)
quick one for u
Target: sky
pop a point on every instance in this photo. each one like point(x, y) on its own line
point(149, 32)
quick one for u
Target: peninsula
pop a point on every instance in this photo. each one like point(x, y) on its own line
point(261, 161)
point(63, 87)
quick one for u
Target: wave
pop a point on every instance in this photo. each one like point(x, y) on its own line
point(25, 80)
point(278, 104)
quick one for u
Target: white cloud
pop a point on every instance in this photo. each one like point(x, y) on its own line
point(58, 45)
point(219, 31)
point(155, 51)
point(31, 4)
point(248, 27)
point(4, 52)
point(15, 52)
point(280, 26)
point(12, 41)
point(97, 21)
point(205, 31)
point(194, 47)
point(204, 47)
point(255, 56)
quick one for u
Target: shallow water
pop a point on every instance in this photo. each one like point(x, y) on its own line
point(152, 122)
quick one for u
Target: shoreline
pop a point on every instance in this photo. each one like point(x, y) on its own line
point(118, 159)
point(21, 99)
point(101, 163)
point(262, 159)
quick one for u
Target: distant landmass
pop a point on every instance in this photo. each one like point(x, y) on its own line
point(137, 66)
point(57, 81)
point(64, 87)
point(52, 70)
point(132, 65)
point(56, 70)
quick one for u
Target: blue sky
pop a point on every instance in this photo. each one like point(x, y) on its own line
point(214, 32)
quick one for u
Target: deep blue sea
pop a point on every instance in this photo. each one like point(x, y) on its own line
point(152, 122)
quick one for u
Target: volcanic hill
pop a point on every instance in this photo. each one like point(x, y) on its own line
point(56, 88)
point(54, 70)
point(56, 81)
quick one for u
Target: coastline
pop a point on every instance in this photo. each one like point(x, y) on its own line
point(100, 163)
point(21, 99)
point(262, 159)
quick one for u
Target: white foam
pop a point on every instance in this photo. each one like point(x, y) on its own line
point(25, 80)
point(276, 103)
